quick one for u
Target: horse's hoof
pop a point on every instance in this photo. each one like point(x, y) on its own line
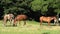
point(14, 25)
point(4, 25)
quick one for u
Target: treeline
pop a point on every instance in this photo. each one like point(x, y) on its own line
point(32, 8)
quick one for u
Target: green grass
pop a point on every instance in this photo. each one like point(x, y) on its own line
point(32, 27)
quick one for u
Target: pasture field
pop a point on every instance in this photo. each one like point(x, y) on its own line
point(32, 27)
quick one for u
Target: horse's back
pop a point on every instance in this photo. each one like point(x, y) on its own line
point(43, 18)
point(8, 16)
point(21, 17)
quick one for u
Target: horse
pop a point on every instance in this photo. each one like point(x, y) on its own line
point(18, 18)
point(47, 19)
point(8, 17)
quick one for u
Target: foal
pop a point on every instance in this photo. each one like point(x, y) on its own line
point(8, 17)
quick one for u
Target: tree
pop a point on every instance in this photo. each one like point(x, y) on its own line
point(39, 5)
point(43, 5)
point(15, 6)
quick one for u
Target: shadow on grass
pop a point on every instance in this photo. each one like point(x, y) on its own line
point(46, 24)
point(46, 33)
point(52, 25)
point(10, 26)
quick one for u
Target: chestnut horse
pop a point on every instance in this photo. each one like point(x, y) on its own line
point(8, 17)
point(47, 19)
point(20, 18)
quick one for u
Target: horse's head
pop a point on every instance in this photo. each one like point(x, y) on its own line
point(54, 18)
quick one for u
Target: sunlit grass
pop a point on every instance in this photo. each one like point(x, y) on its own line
point(32, 27)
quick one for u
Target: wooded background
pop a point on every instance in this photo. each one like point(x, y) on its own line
point(32, 8)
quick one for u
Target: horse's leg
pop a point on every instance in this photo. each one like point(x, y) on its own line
point(19, 22)
point(14, 23)
point(40, 22)
point(55, 22)
point(24, 22)
point(49, 23)
point(10, 21)
point(5, 22)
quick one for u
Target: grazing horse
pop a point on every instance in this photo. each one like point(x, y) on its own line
point(20, 18)
point(47, 19)
point(8, 17)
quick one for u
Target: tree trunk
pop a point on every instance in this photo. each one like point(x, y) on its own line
point(57, 18)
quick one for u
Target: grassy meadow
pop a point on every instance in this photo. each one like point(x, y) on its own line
point(32, 27)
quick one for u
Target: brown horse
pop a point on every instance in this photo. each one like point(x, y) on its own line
point(20, 18)
point(8, 17)
point(47, 19)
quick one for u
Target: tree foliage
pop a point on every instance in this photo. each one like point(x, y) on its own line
point(43, 5)
point(15, 6)
point(18, 6)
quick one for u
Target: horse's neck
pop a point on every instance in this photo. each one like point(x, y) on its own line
point(52, 18)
